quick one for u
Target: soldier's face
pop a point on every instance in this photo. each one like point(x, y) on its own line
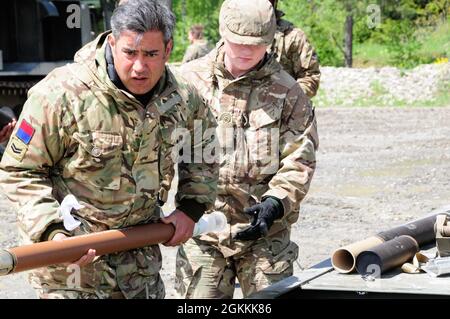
point(242, 57)
point(139, 59)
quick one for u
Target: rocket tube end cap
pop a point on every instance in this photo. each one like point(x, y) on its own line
point(6, 262)
point(213, 222)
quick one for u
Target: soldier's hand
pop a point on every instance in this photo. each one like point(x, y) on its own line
point(6, 131)
point(184, 227)
point(263, 214)
point(83, 261)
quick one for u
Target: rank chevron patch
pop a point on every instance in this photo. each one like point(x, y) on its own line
point(16, 148)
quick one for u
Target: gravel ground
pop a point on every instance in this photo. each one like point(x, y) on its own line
point(377, 168)
point(387, 86)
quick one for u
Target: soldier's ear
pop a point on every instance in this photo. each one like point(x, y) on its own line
point(169, 47)
point(111, 41)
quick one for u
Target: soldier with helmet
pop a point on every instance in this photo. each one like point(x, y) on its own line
point(267, 136)
point(296, 54)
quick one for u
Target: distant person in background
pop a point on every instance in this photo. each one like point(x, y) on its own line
point(199, 46)
point(296, 54)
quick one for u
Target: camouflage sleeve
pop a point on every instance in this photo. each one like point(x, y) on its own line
point(298, 144)
point(35, 146)
point(197, 177)
point(190, 54)
point(306, 67)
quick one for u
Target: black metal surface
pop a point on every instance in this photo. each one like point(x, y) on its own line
point(38, 30)
point(35, 37)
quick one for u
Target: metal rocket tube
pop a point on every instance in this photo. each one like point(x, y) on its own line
point(422, 230)
point(73, 248)
point(387, 255)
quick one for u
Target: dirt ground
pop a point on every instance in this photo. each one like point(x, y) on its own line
point(376, 168)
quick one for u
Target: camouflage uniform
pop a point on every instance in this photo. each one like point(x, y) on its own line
point(85, 137)
point(268, 137)
point(296, 55)
point(196, 50)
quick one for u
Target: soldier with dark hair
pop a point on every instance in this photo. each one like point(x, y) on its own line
point(100, 131)
point(198, 45)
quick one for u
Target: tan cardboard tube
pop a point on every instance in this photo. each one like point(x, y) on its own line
point(73, 248)
point(344, 258)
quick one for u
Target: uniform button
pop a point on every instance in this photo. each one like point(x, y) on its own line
point(96, 152)
point(226, 117)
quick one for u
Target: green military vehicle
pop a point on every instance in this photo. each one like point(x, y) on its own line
point(37, 36)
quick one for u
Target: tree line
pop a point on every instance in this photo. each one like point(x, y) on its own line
point(336, 27)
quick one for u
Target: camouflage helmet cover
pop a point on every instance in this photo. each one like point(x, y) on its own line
point(247, 22)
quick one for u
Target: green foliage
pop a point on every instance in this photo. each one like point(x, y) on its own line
point(411, 31)
point(319, 20)
point(398, 37)
point(435, 41)
point(402, 44)
point(205, 12)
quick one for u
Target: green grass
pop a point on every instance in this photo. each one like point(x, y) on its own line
point(370, 54)
point(435, 45)
point(378, 99)
point(442, 98)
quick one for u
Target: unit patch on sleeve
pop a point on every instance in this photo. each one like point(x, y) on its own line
point(25, 132)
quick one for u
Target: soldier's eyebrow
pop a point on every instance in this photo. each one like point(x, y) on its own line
point(150, 51)
point(129, 49)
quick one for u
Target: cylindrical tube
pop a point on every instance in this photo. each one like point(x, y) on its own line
point(73, 248)
point(344, 259)
point(6, 262)
point(387, 255)
point(422, 230)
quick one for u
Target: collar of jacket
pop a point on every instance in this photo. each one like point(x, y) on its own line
point(282, 25)
point(265, 68)
point(279, 14)
point(92, 57)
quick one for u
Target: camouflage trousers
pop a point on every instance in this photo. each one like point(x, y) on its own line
point(125, 275)
point(202, 271)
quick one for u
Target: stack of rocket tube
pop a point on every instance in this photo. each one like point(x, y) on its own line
point(345, 259)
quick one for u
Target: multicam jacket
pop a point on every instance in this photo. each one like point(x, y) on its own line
point(196, 50)
point(296, 55)
point(268, 138)
point(78, 134)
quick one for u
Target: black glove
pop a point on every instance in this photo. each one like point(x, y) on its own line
point(264, 214)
